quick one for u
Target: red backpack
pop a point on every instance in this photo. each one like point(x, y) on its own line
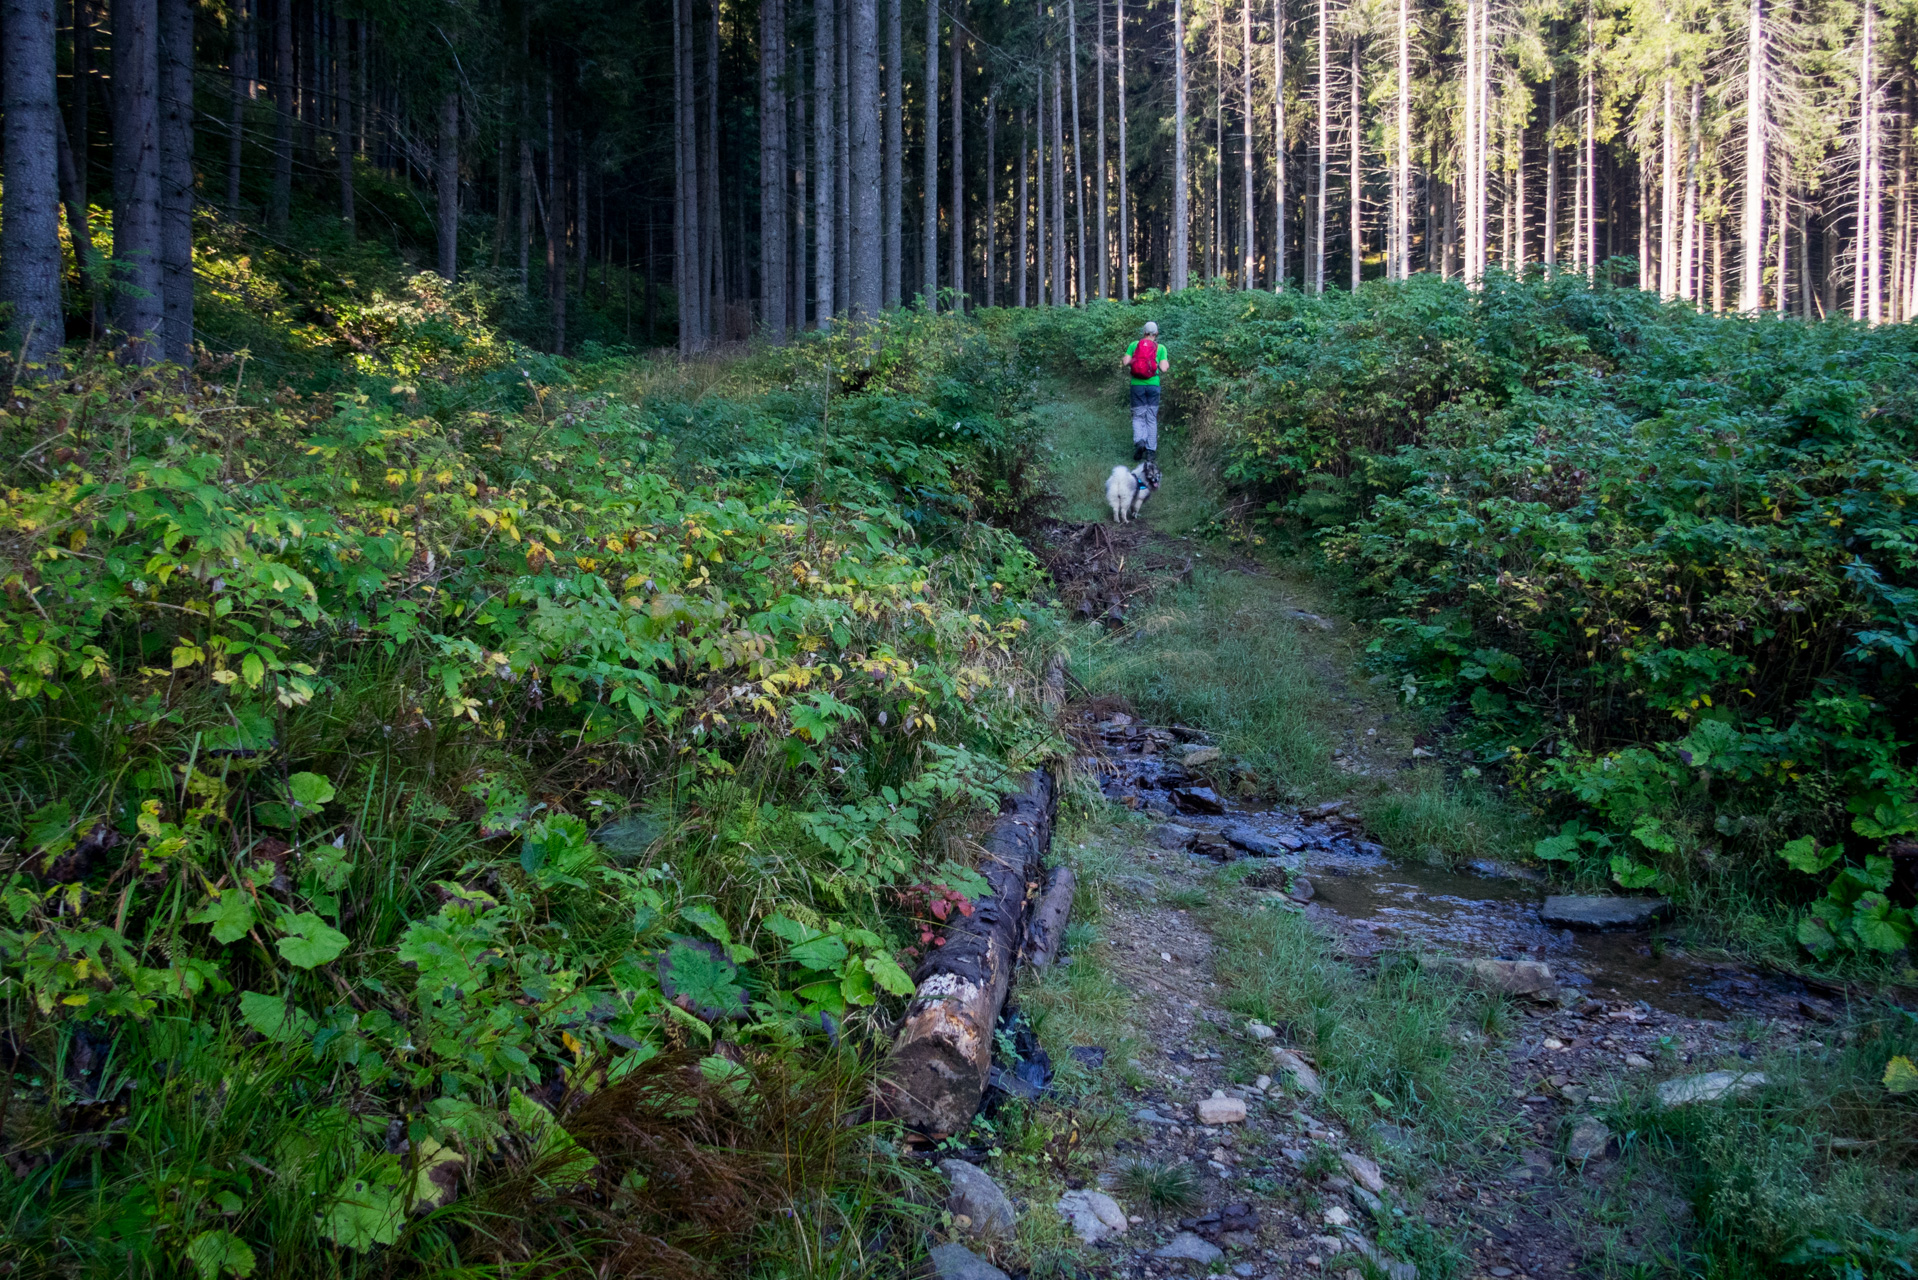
point(1145, 358)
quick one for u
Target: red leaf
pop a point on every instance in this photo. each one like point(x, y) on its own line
point(939, 910)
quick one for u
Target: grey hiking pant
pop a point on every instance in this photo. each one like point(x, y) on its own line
point(1145, 415)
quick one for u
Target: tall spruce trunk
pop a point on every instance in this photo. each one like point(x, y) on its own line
point(343, 134)
point(1866, 304)
point(1021, 264)
point(1589, 235)
point(526, 202)
point(1061, 283)
point(447, 185)
point(1550, 254)
point(801, 166)
point(1751, 222)
point(30, 154)
point(1248, 232)
point(956, 216)
point(176, 176)
point(894, 211)
point(280, 202)
point(1099, 143)
point(929, 186)
point(1325, 149)
point(1125, 205)
point(1278, 145)
point(822, 151)
point(991, 236)
point(80, 230)
point(685, 183)
point(139, 310)
point(842, 161)
point(243, 11)
point(1041, 247)
point(711, 221)
point(772, 168)
point(1402, 188)
point(868, 278)
point(554, 215)
point(1690, 248)
point(1357, 214)
point(1181, 208)
point(1078, 168)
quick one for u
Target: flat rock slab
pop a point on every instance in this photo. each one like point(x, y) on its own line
point(1589, 1140)
point(956, 1262)
point(1297, 1071)
point(1198, 800)
point(1513, 977)
point(1709, 1087)
point(1219, 1109)
point(1170, 835)
point(1364, 1171)
point(1094, 1215)
point(1598, 913)
point(1257, 842)
point(1190, 1248)
point(1197, 756)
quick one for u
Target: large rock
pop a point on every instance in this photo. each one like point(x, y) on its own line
point(1198, 800)
point(1365, 1172)
point(1190, 1248)
point(1094, 1215)
point(1219, 1109)
point(1709, 1087)
point(1297, 1071)
point(976, 1197)
point(1170, 835)
point(1588, 1141)
point(1597, 913)
point(956, 1262)
point(1513, 977)
point(1257, 842)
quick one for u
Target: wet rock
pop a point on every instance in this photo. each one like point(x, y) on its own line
point(1514, 977)
point(1219, 1109)
point(1197, 756)
point(1297, 1071)
point(1597, 913)
point(1257, 842)
point(1708, 1087)
point(1364, 1171)
point(1198, 800)
point(1190, 1248)
point(1301, 890)
point(956, 1262)
point(977, 1197)
point(1589, 1140)
point(1094, 1215)
point(1170, 835)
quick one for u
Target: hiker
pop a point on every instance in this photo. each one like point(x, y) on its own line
point(1145, 361)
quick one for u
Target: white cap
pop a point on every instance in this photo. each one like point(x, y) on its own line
point(1150, 327)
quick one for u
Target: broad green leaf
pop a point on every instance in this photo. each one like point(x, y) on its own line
point(219, 1253)
point(1901, 1076)
point(1816, 936)
point(1803, 854)
point(825, 953)
point(309, 941)
point(887, 973)
point(368, 1208)
point(230, 913)
point(705, 981)
point(309, 791)
point(856, 986)
point(1880, 925)
point(707, 921)
point(557, 1159)
point(1631, 874)
point(1562, 847)
point(789, 930)
point(1652, 834)
point(269, 1016)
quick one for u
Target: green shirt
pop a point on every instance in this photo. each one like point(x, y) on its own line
point(1153, 381)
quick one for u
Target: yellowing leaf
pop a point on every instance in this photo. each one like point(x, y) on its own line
point(1901, 1076)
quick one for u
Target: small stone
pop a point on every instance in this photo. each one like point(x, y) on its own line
point(1514, 977)
point(956, 1262)
point(1589, 1140)
point(1170, 835)
point(1301, 890)
point(1596, 913)
point(1709, 1087)
point(1259, 1031)
point(1637, 1060)
point(1190, 1248)
point(1094, 1215)
point(1246, 1269)
point(1371, 1203)
point(1262, 1083)
point(978, 1198)
point(1219, 1109)
point(1551, 1043)
point(1146, 1115)
point(1197, 756)
point(1364, 1172)
point(1501, 1272)
point(1337, 1217)
point(1301, 1074)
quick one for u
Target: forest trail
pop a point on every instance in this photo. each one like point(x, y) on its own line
point(1449, 1122)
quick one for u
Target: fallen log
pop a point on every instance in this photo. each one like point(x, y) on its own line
point(1047, 932)
point(936, 1073)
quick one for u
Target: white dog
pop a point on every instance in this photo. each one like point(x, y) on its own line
point(1127, 488)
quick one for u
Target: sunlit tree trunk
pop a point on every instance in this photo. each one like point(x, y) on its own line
point(992, 198)
point(139, 311)
point(30, 204)
point(1061, 282)
point(1181, 197)
point(1041, 246)
point(1402, 188)
point(1099, 144)
point(1589, 233)
point(1021, 265)
point(1078, 168)
point(1550, 254)
point(1689, 249)
point(1248, 232)
point(956, 216)
point(1871, 169)
point(1278, 145)
point(1125, 207)
point(929, 225)
point(1325, 148)
point(772, 167)
point(1667, 199)
point(1356, 216)
point(1751, 227)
